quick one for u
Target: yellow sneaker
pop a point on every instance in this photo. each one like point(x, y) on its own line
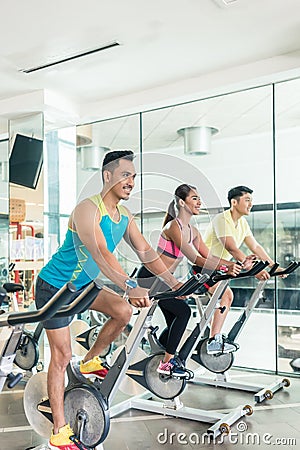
point(61, 440)
point(93, 368)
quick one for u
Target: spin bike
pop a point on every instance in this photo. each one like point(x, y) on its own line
point(220, 364)
point(11, 324)
point(168, 388)
point(87, 404)
point(27, 353)
point(11, 329)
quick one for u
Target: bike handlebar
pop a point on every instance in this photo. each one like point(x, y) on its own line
point(54, 307)
point(82, 301)
point(187, 288)
point(46, 312)
point(289, 269)
point(273, 269)
point(258, 267)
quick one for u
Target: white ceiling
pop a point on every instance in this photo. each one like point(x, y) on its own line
point(186, 44)
point(162, 42)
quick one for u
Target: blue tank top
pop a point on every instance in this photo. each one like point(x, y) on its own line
point(72, 261)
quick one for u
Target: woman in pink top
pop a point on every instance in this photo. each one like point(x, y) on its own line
point(180, 239)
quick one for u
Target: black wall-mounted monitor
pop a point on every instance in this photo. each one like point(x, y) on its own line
point(26, 160)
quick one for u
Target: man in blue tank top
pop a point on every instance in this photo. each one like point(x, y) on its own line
point(95, 228)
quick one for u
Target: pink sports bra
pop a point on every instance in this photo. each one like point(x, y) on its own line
point(168, 247)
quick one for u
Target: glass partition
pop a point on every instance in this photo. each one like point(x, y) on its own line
point(287, 97)
point(216, 144)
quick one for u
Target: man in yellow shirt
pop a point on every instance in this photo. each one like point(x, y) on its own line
point(224, 237)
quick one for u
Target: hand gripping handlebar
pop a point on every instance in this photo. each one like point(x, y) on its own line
point(257, 267)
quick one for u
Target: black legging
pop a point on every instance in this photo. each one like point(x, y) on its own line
point(176, 312)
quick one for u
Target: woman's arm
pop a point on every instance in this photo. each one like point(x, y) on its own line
point(174, 233)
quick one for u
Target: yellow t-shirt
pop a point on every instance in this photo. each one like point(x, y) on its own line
point(221, 226)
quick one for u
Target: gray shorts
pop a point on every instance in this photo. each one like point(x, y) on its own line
point(43, 293)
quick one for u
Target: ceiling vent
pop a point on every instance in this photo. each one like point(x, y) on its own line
point(70, 58)
point(197, 140)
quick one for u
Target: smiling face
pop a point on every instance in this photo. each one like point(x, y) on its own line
point(243, 204)
point(193, 202)
point(120, 181)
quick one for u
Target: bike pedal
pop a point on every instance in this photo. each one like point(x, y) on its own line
point(77, 443)
point(190, 375)
point(177, 377)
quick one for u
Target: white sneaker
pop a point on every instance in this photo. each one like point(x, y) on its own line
point(218, 344)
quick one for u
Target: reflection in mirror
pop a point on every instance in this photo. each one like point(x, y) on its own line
point(238, 152)
point(287, 101)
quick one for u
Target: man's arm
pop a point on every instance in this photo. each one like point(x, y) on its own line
point(147, 254)
point(203, 250)
point(258, 250)
point(230, 245)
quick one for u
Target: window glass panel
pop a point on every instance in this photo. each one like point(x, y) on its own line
point(232, 145)
point(287, 97)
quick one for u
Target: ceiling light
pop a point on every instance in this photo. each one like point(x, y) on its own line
point(197, 140)
point(71, 57)
point(92, 156)
point(84, 135)
point(225, 3)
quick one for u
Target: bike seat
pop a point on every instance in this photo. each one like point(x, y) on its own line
point(13, 287)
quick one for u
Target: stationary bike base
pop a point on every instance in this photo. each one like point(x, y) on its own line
point(219, 363)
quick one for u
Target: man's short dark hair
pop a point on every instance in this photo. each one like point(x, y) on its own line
point(238, 192)
point(111, 159)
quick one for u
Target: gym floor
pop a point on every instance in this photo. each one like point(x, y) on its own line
point(274, 422)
